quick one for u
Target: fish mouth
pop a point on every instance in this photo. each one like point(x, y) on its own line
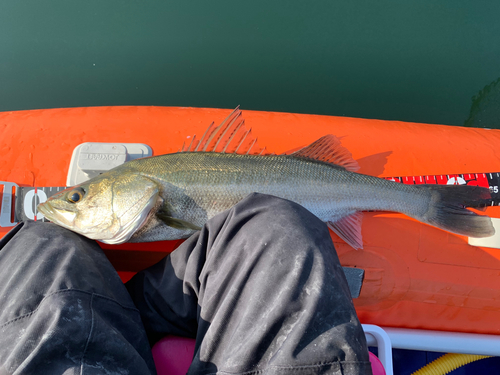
point(45, 210)
point(59, 216)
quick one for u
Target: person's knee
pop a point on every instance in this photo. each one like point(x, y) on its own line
point(262, 220)
point(265, 215)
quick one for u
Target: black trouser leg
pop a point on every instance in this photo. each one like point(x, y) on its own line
point(63, 308)
point(262, 290)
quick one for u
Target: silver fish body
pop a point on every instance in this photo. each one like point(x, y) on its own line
point(197, 186)
point(171, 196)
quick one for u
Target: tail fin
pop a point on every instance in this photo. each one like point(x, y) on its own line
point(447, 209)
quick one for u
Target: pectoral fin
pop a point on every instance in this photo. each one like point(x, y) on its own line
point(176, 223)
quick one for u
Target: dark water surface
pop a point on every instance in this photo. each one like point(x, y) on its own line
point(420, 61)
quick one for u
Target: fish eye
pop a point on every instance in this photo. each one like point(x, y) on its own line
point(76, 195)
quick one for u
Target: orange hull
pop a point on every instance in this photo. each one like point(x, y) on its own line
point(416, 276)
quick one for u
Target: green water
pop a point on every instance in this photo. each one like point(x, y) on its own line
point(420, 61)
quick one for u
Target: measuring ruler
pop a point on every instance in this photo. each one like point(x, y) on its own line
point(487, 180)
point(20, 203)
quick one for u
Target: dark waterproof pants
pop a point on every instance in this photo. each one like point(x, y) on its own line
point(260, 287)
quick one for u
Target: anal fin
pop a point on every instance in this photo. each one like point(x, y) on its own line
point(349, 229)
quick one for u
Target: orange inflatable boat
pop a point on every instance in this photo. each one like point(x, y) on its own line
point(416, 276)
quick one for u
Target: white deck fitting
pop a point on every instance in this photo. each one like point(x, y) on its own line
point(493, 241)
point(376, 336)
point(92, 158)
point(434, 341)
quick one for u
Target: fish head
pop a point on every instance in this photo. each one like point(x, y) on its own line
point(109, 208)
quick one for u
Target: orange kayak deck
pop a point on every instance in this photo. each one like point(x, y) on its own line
point(416, 276)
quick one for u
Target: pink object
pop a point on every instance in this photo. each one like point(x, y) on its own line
point(173, 356)
point(377, 367)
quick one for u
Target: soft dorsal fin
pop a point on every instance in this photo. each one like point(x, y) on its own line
point(230, 137)
point(329, 149)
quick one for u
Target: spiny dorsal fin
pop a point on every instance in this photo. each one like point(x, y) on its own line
point(349, 229)
point(329, 149)
point(230, 137)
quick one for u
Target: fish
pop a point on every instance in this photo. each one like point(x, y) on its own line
point(172, 196)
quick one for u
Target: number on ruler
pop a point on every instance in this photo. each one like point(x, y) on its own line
point(31, 200)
